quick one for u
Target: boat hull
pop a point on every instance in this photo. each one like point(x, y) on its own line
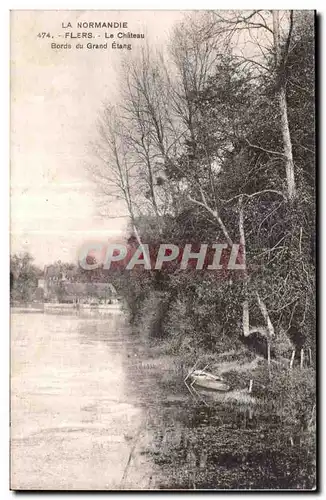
point(212, 385)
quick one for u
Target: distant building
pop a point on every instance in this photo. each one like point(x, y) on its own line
point(62, 287)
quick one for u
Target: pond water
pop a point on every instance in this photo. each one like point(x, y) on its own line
point(91, 409)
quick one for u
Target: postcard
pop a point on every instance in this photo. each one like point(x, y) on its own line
point(163, 250)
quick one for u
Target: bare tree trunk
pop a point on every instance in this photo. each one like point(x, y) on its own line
point(269, 333)
point(287, 144)
point(141, 245)
point(276, 35)
point(270, 328)
point(214, 213)
point(280, 64)
point(292, 359)
point(309, 356)
point(245, 317)
point(301, 358)
point(268, 351)
point(152, 192)
point(265, 314)
point(245, 305)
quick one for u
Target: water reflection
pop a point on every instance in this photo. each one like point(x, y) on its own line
point(92, 409)
point(73, 422)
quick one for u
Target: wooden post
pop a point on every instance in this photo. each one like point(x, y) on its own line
point(292, 359)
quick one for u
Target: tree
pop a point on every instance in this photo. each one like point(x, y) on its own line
point(24, 277)
point(114, 168)
point(269, 39)
point(215, 121)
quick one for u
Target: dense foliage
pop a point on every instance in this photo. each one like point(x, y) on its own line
point(198, 148)
point(24, 277)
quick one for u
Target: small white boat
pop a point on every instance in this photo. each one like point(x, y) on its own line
point(208, 381)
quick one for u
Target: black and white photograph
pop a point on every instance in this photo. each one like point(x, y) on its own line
point(163, 250)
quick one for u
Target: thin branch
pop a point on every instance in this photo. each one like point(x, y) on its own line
point(265, 150)
point(268, 216)
point(254, 194)
point(285, 306)
point(274, 247)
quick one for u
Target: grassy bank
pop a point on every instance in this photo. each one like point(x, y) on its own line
point(265, 439)
point(236, 440)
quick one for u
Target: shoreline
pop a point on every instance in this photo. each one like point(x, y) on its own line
point(53, 307)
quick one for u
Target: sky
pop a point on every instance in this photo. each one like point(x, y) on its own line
point(56, 96)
